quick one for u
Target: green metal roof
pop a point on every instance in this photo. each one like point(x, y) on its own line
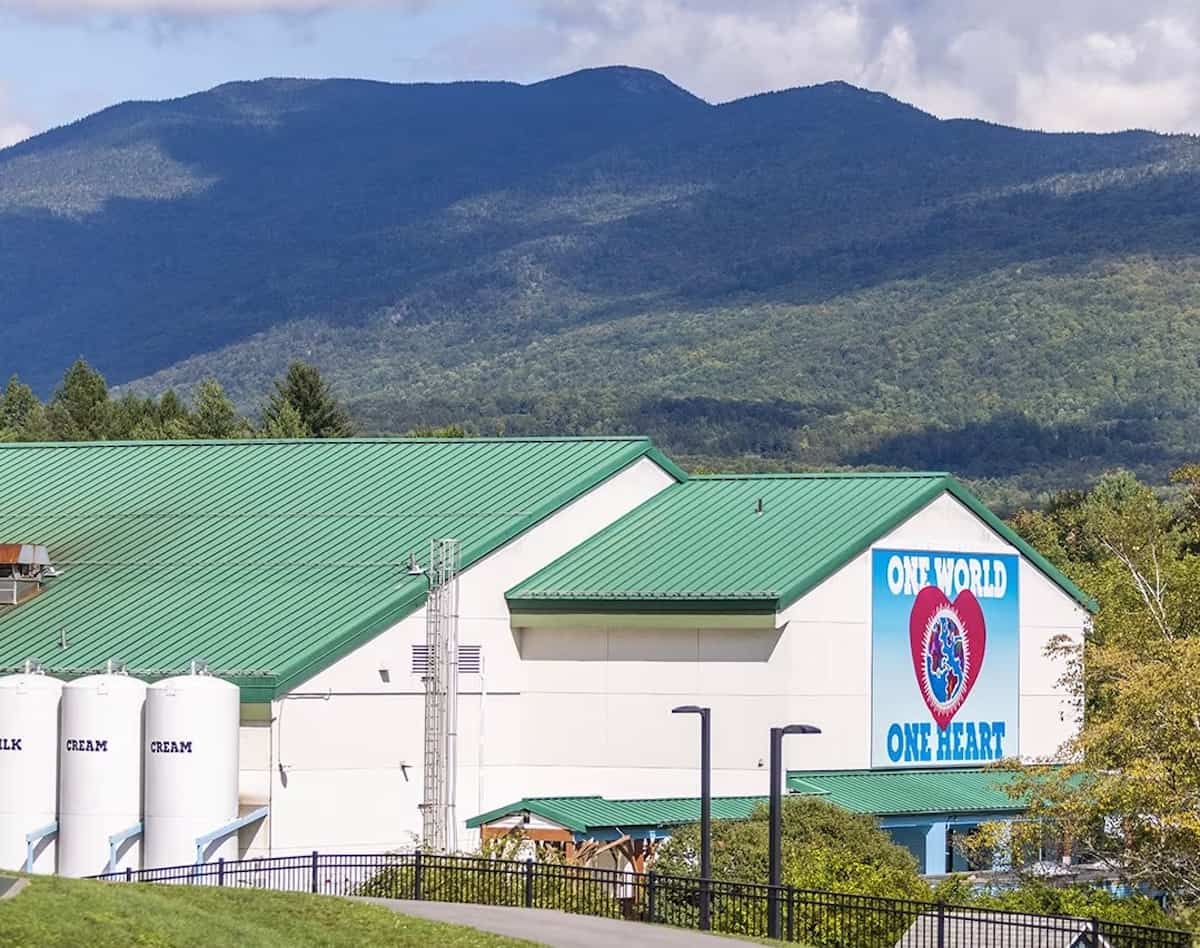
point(267, 559)
point(904, 792)
point(703, 545)
point(875, 792)
point(587, 814)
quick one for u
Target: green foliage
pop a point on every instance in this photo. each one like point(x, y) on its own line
point(1037, 897)
point(312, 405)
point(213, 414)
point(83, 409)
point(19, 407)
point(285, 422)
point(431, 431)
point(818, 277)
point(497, 877)
point(824, 848)
point(1129, 797)
point(80, 409)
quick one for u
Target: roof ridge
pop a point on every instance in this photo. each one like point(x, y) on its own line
point(718, 796)
point(820, 475)
point(886, 771)
point(246, 442)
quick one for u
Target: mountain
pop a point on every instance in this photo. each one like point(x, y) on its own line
point(822, 275)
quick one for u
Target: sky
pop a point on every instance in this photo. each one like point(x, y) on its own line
point(1096, 65)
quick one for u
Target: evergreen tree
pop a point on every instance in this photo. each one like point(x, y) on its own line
point(320, 413)
point(451, 431)
point(286, 423)
point(80, 409)
point(214, 415)
point(19, 407)
point(130, 414)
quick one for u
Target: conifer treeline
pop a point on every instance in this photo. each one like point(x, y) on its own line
point(300, 405)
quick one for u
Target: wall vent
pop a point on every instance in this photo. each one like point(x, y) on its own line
point(470, 659)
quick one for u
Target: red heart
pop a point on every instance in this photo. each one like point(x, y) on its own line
point(936, 625)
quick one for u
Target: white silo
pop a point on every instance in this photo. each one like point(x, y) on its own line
point(100, 768)
point(191, 768)
point(28, 767)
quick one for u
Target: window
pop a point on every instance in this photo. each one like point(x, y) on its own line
point(470, 660)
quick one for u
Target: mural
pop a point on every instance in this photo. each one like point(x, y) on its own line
point(945, 632)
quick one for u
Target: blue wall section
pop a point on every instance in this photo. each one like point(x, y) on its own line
point(926, 837)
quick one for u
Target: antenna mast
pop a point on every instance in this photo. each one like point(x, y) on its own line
point(440, 824)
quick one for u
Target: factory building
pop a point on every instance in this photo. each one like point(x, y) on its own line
point(595, 586)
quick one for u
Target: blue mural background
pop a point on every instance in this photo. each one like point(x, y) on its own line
point(896, 698)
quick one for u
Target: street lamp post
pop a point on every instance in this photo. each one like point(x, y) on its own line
point(705, 808)
point(775, 843)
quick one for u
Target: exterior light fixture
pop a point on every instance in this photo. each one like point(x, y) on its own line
point(775, 849)
point(705, 809)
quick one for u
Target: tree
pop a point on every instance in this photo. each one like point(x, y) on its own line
point(1036, 897)
point(824, 847)
point(285, 423)
point(22, 416)
point(80, 409)
point(214, 415)
point(451, 432)
point(310, 395)
point(1130, 794)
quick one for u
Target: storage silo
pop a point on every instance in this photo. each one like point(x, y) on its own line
point(191, 768)
point(100, 767)
point(29, 706)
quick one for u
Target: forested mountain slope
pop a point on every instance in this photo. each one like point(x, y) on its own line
point(817, 276)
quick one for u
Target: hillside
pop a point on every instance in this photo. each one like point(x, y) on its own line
point(55, 912)
point(817, 276)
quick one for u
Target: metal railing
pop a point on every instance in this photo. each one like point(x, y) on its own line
point(816, 919)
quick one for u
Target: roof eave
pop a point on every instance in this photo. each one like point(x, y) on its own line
point(944, 484)
point(1048, 569)
point(648, 604)
point(360, 633)
point(862, 543)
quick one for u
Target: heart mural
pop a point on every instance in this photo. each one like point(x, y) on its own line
point(948, 641)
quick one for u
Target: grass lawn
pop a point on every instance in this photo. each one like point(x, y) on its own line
point(72, 913)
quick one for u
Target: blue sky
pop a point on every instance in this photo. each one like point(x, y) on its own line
point(1071, 64)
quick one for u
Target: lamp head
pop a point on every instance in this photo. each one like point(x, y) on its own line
point(689, 709)
point(800, 729)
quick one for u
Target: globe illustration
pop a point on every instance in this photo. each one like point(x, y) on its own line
point(945, 658)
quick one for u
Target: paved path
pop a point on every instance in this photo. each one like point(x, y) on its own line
point(556, 929)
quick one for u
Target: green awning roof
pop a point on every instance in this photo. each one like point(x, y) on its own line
point(910, 792)
point(961, 790)
point(589, 814)
point(267, 559)
point(753, 543)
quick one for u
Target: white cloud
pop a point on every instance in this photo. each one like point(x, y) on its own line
point(1054, 64)
point(67, 9)
point(11, 130)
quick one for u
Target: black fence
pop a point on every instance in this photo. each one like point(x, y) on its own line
point(816, 919)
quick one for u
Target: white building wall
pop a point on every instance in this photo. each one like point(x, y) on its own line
point(596, 711)
point(341, 763)
point(587, 710)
